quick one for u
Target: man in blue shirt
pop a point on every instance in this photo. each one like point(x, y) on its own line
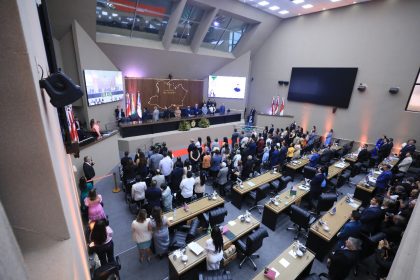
point(351, 229)
point(371, 217)
point(314, 159)
point(383, 180)
point(222, 109)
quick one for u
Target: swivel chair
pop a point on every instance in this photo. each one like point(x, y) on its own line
point(309, 172)
point(215, 217)
point(219, 274)
point(257, 195)
point(108, 270)
point(184, 235)
point(254, 242)
point(325, 202)
point(301, 220)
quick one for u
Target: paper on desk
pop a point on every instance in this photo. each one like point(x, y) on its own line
point(251, 184)
point(232, 223)
point(284, 263)
point(170, 219)
point(354, 205)
point(293, 254)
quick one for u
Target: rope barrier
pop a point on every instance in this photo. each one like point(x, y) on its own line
point(116, 188)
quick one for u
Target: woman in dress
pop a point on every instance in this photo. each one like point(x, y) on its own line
point(159, 226)
point(94, 127)
point(142, 235)
point(214, 247)
point(93, 202)
point(101, 241)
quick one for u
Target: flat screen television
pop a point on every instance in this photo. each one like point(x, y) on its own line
point(413, 103)
point(323, 86)
point(227, 87)
point(103, 86)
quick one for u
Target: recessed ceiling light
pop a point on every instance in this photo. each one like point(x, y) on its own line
point(216, 23)
point(274, 8)
point(284, 12)
point(307, 6)
point(263, 3)
point(298, 1)
point(335, 1)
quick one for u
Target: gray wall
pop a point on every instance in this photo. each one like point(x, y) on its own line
point(381, 38)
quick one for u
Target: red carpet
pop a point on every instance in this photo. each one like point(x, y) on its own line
point(184, 152)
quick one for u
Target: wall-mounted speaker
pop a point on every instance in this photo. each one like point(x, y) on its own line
point(394, 90)
point(362, 87)
point(61, 89)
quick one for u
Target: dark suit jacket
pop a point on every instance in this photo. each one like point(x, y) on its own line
point(316, 182)
point(363, 155)
point(350, 229)
point(371, 219)
point(406, 149)
point(124, 161)
point(153, 195)
point(342, 261)
point(88, 170)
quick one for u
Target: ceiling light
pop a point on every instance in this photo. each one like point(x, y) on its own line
point(263, 3)
point(284, 12)
point(298, 1)
point(307, 6)
point(274, 8)
point(335, 1)
point(216, 23)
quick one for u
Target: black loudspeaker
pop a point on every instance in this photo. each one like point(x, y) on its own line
point(334, 110)
point(394, 90)
point(361, 87)
point(283, 83)
point(61, 89)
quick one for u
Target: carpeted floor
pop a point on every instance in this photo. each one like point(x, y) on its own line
point(120, 221)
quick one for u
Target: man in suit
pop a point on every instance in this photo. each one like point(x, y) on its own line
point(327, 155)
point(235, 136)
point(153, 195)
point(383, 180)
point(275, 157)
point(385, 149)
point(409, 148)
point(351, 229)
point(341, 261)
point(222, 178)
point(119, 113)
point(315, 187)
point(363, 154)
point(88, 168)
point(372, 216)
point(282, 153)
point(125, 159)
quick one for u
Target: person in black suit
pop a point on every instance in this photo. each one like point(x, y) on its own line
point(125, 159)
point(363, 154)
point(119, 113)
point(326, 155)
point(341, 261)
point(393, 227)
point(88, 168)
point(409, 148)
point(372, 216)
point(153, 195)
point(315, 186)
point(385, 149)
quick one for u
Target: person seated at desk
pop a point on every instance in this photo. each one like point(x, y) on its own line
point(166, 113)
point(94, 127)
point(195, 111)
point(341, 261)
point(212, 109)
point(155, 114)
point(214, 248)
point(177, 112)
point(316, 186)
point(314, 158)
point(204, 109)
point(372, 216)
point(326, 155)
point(383, 180)
point(351, 229)
point(363, 154)
point(222, 109)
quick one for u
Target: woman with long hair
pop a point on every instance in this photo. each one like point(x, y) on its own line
point(94, 127)
point(142, 235)
point(159, 226)
point(101, 241)
point(85, 188)
point(214, 247)
point(95, 210)
point(142, 165)
point(200, 184)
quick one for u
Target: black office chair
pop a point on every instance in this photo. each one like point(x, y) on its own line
point(215, 217)
point(339, 181)
point(257, 195)
point(185, 235)
point(309, 172)
point(301, 220)
point(325, 202)
point(254, 242)
point(283, 182)
point(107, 271)
point(219, 274)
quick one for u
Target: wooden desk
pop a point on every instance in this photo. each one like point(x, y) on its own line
point(298, 266)
point(179, 270)
point(363, 192)
point(391, 160)
point(334, 171)
point(271, 211)
point(295, 165)
point(249, 185)
point(195, 208)
point(319, 240)
point(335, 148)
point(352, 158)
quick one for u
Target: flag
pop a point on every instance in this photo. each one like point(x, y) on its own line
point(139, 105)
point(127, 105)
point(282, 107)
point(72, 125)
point(276, 105)
point(133, 103)
point(273, 105)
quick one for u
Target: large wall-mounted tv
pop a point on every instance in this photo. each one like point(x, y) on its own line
point(323, 86)
point(227, 87)
point(103, 86)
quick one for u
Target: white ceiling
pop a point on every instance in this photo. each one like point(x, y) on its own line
point(297, 9)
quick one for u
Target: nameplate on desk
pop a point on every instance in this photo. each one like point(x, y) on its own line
point(251, 184)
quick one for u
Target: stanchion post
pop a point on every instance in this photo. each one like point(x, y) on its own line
point(116, 188)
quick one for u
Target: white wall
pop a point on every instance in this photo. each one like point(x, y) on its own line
point(381, 38)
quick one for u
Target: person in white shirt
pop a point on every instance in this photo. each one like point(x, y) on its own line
point(404, 165)
point(214, 248)
point(187, 187)
point(166, 166)
point(141, 234)
point(237, 158)
point(138, 192)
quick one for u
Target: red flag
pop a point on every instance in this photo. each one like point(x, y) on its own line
point(127, 104)
point(273, 105)
point(276, 109)
point(72, 125)
point(282, 107)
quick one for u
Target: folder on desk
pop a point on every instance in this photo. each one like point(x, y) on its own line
point(229, 235)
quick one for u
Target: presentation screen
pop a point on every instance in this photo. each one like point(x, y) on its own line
point(414, 100)
point(227, 87)
point(103, 86)
point(323, 86)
